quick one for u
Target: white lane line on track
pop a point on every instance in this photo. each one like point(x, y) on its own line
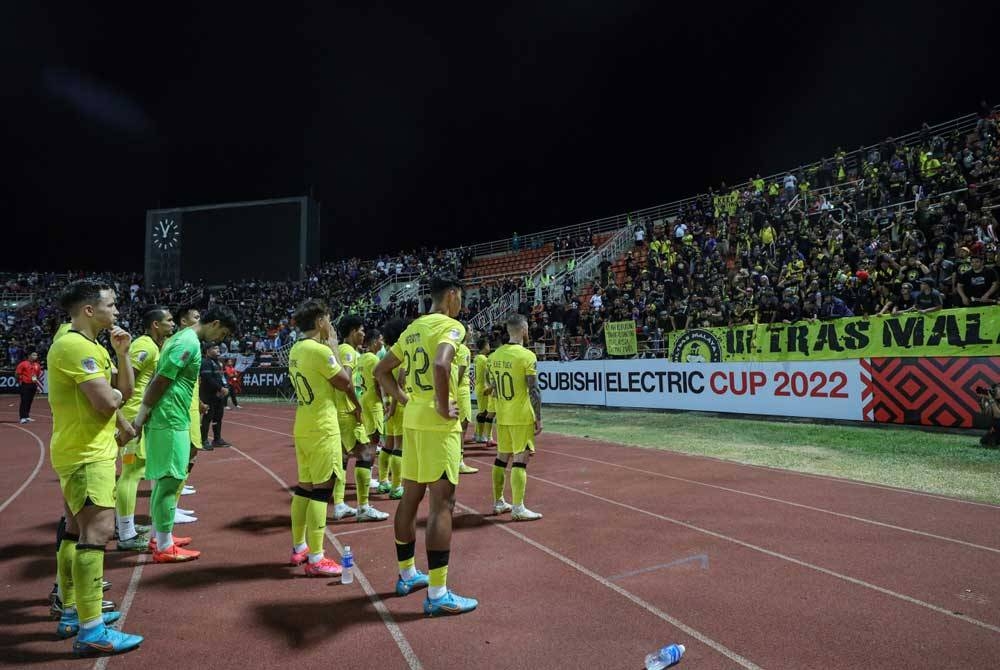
point(775, 554)
point(381, 526)
point(34, 473)
point(768, 552)
point(649, 607)
point(828, 478)
point(836, 480)
point(394, 630)
point(652, 609)
point(126, 603)
point(811, 508)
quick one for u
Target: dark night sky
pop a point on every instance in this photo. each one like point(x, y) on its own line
point(449, 127)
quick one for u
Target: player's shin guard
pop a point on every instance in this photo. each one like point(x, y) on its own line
point(363, 480)
point(397, 468)
point(65, 558)
point(437, 572)
point(315, 519)
point(163, 503)
point(300, 502)
point(340, 488)
point(518, 482)
point(383, 464)
point(88, 577)
point(499, 479)
point(405, 552)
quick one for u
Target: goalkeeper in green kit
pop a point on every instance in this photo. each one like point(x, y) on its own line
point(165, 414)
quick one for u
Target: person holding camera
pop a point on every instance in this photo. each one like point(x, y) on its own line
point(989, 402)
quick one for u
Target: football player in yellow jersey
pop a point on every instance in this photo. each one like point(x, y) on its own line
point(372, 410)
point(316, 376)
point(62, 330)
point(394, 413)
point(485, 402)
point(464, 391)
point(433, 438)
point(157, 325)
point(85, 400)
point(351, 330)
point(519, 417)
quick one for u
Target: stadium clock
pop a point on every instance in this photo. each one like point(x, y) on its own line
point(165, 234)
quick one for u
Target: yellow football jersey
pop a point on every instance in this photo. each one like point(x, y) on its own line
point(416, 348)
point(509, 366)
point(62, 330)
point(144, 354)
point(311, 366)
point(462, 358)
point(348, 359)
point(481, 374)
point(370, 392)
point(79, 433)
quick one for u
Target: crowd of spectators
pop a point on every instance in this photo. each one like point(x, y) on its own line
point(896, 227)
point(30, 315)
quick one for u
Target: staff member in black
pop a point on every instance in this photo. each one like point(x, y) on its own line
point(213, 391)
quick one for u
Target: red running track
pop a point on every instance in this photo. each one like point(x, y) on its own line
point(748, 567)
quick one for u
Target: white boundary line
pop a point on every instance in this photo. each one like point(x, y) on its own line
point(767, 552)
point(775, 554)
point(397, 634)
point(649, 607)
point(798, 473)
point(34, 473)
point(133, 586)
point(837, 480)
point(401, 640)
point(811, 508)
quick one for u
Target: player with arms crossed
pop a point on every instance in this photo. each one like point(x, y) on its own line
point(158, 325)
point(166, 406)
point(83, 451)
point(433, 438)
point(315, 374)
point(519, 417)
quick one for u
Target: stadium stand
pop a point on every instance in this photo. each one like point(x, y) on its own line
point(845, 235)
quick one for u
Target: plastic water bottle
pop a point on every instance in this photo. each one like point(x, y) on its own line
point(665, 657)
point(347, 565)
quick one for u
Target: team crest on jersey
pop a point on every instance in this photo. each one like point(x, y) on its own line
point(90, 365)
point(454, 334)
point(143, 355)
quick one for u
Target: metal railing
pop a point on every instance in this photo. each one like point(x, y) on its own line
point(962, 124)
point(508, 302)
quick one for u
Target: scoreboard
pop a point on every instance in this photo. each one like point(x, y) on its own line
point(215, 244)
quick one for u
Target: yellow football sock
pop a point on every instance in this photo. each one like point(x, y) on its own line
point(499, 480)
point(299, 505)
point(362, 480)
point(396, 465)
point(404, 555)
point(88, 577)
point(65, 558)
point(438, 576)
point(383, 465)
point(315, 524)
point(339, 489)
point(518, 482)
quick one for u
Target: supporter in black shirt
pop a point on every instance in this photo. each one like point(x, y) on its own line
point(979, 285)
